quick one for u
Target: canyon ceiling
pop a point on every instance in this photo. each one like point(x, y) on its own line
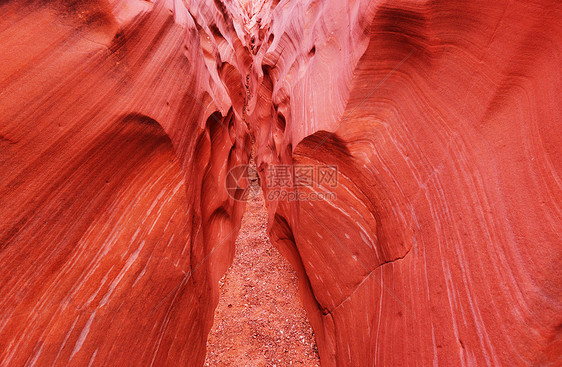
point(121, 119)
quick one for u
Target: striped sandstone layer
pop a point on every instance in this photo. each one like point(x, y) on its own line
point(121, 119)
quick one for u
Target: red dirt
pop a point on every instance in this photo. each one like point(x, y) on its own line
point(259, 320)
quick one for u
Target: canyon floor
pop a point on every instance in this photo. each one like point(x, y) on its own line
point(260, 320)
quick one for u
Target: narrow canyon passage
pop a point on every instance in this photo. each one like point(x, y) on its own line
point(411, 165)
point(260, 320)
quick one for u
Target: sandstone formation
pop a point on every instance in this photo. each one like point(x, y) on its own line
point(121, 119)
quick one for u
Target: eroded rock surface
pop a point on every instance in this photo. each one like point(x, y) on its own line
point(121, 119)
point(115, 139)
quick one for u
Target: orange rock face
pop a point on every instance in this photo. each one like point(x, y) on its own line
point(121, 120)
point(115, 228)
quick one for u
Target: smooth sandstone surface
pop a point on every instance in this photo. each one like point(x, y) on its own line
point(121, 119)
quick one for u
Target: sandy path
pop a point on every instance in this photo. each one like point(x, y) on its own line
point(259, 320)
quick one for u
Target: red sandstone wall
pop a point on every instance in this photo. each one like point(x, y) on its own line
point(114, 141)
point(443, 246)
point(121, 119)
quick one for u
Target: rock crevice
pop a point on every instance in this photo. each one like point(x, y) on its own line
point(121, 119)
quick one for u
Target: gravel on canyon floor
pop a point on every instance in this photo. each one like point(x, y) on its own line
point(259, 320)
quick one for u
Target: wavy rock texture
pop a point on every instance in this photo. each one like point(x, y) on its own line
point(443, 246)
point(120, 120)
point(115, 138)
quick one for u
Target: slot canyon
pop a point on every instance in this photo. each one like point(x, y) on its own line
point(409, 153)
